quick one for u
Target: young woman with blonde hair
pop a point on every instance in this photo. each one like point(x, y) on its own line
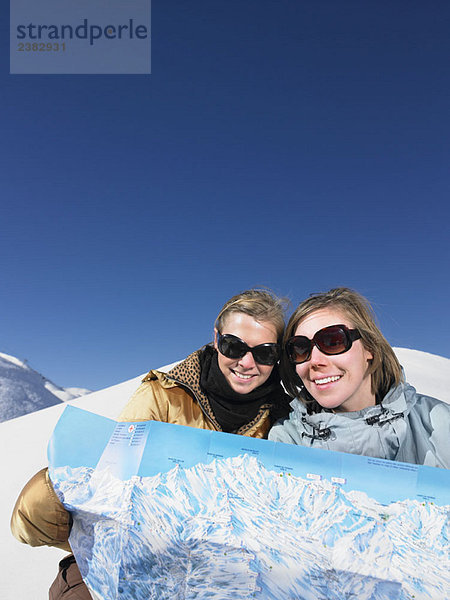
point(231, 385)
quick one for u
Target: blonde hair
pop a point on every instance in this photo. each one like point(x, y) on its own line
point(261, 304)
point(385, 370)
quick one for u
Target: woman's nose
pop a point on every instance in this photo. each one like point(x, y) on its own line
point(317, 357)
point(247, 361)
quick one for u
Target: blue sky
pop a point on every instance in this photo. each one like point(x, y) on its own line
point(299, 145)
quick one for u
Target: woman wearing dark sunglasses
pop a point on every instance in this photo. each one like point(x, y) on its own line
point(349, 390)
point(231, 385)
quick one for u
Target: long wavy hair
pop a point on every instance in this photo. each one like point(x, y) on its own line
point(384, 369)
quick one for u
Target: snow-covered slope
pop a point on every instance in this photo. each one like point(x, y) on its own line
point(27, 572)
point(428, 373)
point(23, 390)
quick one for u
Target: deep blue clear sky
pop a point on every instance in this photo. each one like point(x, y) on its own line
point(295, 144)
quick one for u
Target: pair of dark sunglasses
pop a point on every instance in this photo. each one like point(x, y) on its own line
point(335, 339)
point(233, 347)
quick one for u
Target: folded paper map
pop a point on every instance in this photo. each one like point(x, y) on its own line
point(164, 511)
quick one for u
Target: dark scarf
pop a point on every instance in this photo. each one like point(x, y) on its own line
point(233, 410)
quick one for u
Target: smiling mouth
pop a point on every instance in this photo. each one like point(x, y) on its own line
point(325, 380)
point(241, 375)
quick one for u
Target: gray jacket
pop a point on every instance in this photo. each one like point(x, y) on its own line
point(406, 426)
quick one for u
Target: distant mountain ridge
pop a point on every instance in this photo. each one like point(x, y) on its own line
point(24, 390)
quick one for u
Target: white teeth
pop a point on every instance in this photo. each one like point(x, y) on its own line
point(327, 379)
point(241, 376)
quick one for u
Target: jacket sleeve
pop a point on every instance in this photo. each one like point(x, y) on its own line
point(39, 518)
point(429, 425)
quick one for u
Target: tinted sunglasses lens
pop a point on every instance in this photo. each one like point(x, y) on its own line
point(298, 349)
point(332, 340)
point(266, 355)
point(231, 347)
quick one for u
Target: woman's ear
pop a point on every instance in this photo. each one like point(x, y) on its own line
point(215, 338)
point(368, 355)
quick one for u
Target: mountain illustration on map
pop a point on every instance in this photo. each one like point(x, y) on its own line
point(240, 526)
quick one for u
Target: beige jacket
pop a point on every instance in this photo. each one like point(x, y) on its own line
point(40, 519)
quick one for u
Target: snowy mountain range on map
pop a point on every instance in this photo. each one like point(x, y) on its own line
point(244, 531)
